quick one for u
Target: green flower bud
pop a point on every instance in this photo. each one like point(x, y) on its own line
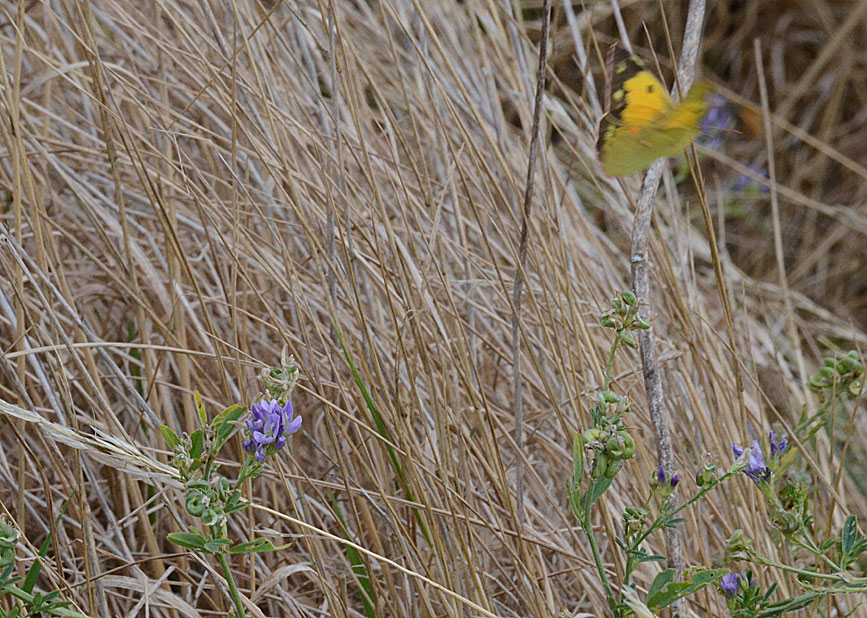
point(610, 397)
point(642, 323)
point(614, 447)
point(223, 488)
point(628, 297)
point(591, 435)
point(628, 445)
point(622, 406)
point(705, 475)
point(845, 364)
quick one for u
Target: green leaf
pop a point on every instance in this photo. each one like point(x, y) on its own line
point(256, 545)
point(574, 494)
point(598, 488)
point(359, 569)
point(234, 508)
point(661, 581)
point(668, 593)
point(849, 534)
point(215, 546)
point(4, 574)
point(200, 409)
point(36, 567)
point(169, 436)
point(223, 425)
point(187, 539)
point(382, 429)
point(577, 460)
point(197, 439)
point(32, 576)
point(230, 414)
point(781, 607)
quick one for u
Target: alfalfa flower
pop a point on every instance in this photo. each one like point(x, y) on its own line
point(718, 121)
point(777, 446)
point(664, 482)
point(756, 468)
point(268, 427)
point(730, 584)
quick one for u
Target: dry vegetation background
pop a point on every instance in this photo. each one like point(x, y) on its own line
point(189, 186)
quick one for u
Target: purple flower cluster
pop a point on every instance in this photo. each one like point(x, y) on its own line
point(268, 427)
point(716, 122)
point(758, 469)
point(664, 481)
point(730, 584)
point(777, 447)
point(720, 121)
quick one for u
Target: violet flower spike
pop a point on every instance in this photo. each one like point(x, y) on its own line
point(715, 123)
point(663, 479)
point(730, 583)
point(777, 447)
point(757, 469)
point(268, 427)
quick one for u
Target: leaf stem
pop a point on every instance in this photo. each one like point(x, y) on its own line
point(610, 364)
point(597, 558)
point(233, 588)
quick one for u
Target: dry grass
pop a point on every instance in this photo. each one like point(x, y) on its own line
point(193, 185)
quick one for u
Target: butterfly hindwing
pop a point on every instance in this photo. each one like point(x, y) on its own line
point(642, 123)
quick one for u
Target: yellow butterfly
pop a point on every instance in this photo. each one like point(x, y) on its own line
point(642, 123)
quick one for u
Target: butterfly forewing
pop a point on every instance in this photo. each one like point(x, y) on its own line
point(642, 123)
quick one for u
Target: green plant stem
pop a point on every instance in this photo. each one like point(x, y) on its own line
point(610, 365)
point(233, 588)
point(29, 598)
point(844, 579)
point(660, 522)
point(597, 558)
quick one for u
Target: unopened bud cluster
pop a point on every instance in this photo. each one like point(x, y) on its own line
point(609, 440)
point(836, 376)
point(623, 316)
point(277, 382)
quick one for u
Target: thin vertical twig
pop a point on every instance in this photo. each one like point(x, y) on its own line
point(641, 281)
point(517, 393)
